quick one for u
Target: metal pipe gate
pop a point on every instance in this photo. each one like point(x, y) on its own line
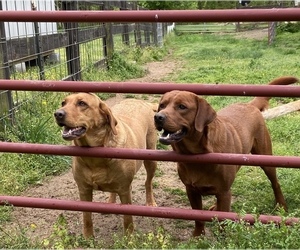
point(289, 14)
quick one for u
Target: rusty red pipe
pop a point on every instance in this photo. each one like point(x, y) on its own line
point(145, 154)
point(151, 88)
point(137, 210)
point(240, 15)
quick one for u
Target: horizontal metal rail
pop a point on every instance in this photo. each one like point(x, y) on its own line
point(146, 154)
point(152, 88)
point(137, 210)
point(240, 15)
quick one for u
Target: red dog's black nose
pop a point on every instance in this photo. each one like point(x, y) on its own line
point(159, 119)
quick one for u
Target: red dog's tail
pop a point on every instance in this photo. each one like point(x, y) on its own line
point(262, 103)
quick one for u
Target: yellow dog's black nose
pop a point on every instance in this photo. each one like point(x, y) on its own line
point(60, 115)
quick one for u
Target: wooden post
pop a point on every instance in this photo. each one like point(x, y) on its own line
point(147, 33)
point(108, 41)
point(125, 34)
point(72, 50)
point(137, 33)
point(155, 33)
point(40, 60)
point(238, 27)
point(6, 100)
point(271, 32)
point(137, 30)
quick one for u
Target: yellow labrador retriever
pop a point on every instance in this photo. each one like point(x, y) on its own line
point(191, 126)
point(88, 121)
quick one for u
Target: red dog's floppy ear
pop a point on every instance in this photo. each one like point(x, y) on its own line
point(205, 114)
point(109, 116)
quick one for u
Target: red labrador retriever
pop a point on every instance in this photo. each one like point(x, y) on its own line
point(191, 126)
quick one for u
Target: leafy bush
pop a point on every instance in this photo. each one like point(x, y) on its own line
point(118, 65)
point(291, 27)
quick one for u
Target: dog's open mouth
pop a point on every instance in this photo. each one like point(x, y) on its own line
point(72, 133)
point(168, 137)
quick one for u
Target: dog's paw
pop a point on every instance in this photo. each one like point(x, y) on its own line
point(151, 204)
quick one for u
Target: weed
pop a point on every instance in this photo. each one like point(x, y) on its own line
point(129, 95)
point(62, 238)
point(159, 172)
point(153, 240)
point(16, 238)
point(124, 69)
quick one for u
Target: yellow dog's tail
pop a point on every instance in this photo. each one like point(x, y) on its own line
point(262, 103)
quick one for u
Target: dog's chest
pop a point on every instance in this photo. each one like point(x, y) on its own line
point(207, 179)
point(201, 185)
point(100, 175)
point(101, 180)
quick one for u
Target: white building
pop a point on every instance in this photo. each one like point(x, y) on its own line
point(26, 29)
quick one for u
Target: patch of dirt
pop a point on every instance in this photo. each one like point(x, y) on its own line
point(258, 34)
point(156, 72)
point(40, 221)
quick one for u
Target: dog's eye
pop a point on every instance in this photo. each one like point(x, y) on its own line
point(82, 104)
point(161, 106)
point(63, 103)
point(181, 106)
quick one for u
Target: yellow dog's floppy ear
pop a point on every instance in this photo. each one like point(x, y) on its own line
point(205, 114)
point(104, 109)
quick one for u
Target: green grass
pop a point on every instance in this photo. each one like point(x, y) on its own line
point(224, 59)
point(204, 59)
point(204, 28)
point(34, 123)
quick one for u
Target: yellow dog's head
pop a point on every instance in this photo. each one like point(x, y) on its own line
point(83, 113)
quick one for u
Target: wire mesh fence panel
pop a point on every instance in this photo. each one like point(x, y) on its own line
point(61, 51)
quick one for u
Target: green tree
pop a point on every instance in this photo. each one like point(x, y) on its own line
point(169, 5)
